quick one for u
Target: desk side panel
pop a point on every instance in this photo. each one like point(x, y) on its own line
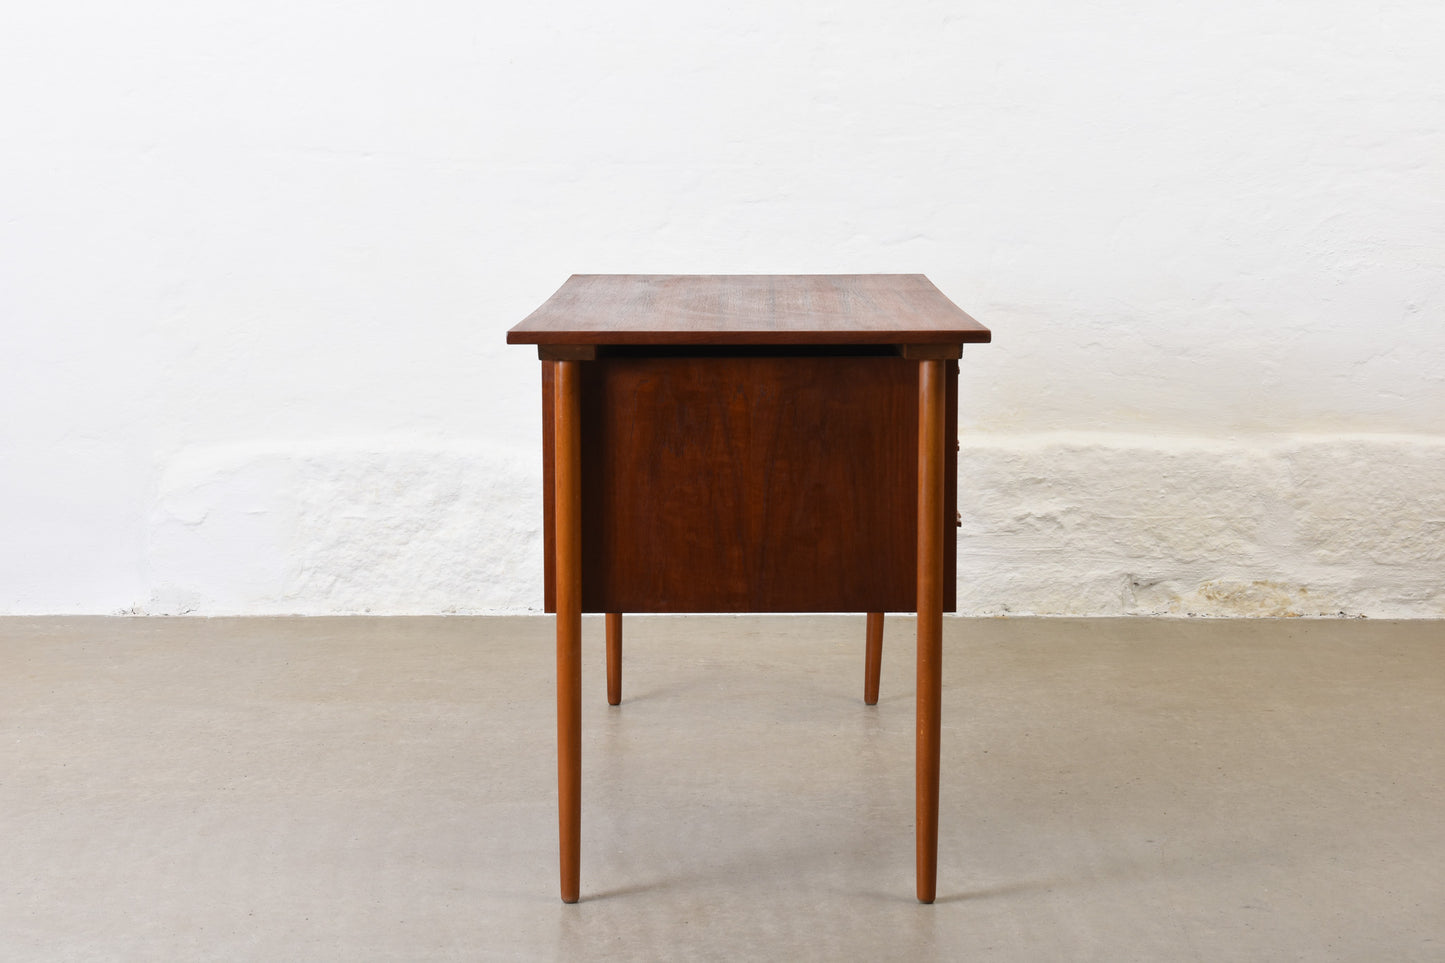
point(604, 598)
point(755, 484)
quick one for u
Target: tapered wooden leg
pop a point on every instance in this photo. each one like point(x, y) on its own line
point(614, 658)
point(873, 658)
point(568, 521)
point(930, 619)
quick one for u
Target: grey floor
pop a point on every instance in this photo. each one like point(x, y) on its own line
point(352, 789)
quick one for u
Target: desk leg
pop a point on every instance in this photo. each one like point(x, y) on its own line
point(568, 524)
point(873, 659)
point(614, 658)
point(930, 619)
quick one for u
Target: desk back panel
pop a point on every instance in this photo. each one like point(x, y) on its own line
point(754, 483)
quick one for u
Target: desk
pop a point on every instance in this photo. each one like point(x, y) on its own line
point(749, 443)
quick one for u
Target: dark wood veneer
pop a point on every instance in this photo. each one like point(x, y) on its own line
point(659, 309)
point(750, 484)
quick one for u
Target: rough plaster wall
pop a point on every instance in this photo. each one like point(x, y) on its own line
point(1115, 524)
point(256, 264)
point(400, 528)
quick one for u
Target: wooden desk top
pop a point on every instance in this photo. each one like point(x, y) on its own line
point(747, 309)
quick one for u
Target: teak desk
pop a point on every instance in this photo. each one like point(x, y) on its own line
point(749, 443)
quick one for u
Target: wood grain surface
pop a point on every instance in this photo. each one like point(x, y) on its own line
point(732, 309)
point(932, 429)
point(872, 658)
point(751, 484)
point(568, 507)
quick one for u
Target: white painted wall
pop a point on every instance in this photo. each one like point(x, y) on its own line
point(257, 261)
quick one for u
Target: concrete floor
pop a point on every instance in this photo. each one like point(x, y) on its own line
point(329, 789)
